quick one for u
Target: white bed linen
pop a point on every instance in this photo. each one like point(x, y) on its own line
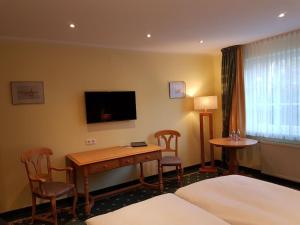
point(167, 209)
point(241, 200)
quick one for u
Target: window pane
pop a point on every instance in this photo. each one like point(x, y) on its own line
point(272, 81)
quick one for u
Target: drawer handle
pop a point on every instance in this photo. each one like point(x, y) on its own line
point(128, 161)
point(147, 157)
point(105, 166)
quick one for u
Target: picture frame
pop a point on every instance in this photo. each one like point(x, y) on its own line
point(177, 89)
point(27, 92)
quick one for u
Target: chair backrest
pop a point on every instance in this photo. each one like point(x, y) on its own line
point(168, 139)
point(37, 164)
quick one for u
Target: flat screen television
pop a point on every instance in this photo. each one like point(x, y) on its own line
point(106, 106)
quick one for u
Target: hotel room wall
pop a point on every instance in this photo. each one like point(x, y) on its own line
point(67, 71)
point(218, 113)
point(276, 159)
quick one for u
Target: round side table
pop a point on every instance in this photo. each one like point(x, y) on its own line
point(232, 147)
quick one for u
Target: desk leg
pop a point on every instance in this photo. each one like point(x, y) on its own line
point(161, 185)
point(233, 163)
point(141, 173)
point(74, 178)
point(142, 178)
point(86, 190)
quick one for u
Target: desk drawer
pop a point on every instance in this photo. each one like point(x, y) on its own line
point(148, 157)
point(126, 161)
point(103, 166)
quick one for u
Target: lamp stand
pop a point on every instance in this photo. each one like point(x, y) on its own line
point(203, 168)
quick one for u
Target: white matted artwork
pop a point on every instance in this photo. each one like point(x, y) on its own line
point(27, 92)
point(177, 89)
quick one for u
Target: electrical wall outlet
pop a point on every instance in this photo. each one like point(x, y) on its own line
point(90, 141)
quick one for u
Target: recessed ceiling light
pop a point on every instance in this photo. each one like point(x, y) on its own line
point(148, 35)
point(201, 42)
point(72, 25)
point(281, 15)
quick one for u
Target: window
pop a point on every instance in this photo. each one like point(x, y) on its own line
point(272, 87)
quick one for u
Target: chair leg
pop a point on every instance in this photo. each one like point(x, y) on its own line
point(181, 175)
point(54, 212)
point(177, 173)
point(75, 196)
point(33, 207)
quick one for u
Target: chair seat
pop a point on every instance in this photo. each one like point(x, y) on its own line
point(170, 161)
point(54, 189)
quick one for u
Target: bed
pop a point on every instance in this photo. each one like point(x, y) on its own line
point(166, 209)
point(241, 200)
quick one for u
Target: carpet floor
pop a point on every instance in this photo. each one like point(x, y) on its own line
point(112, 203)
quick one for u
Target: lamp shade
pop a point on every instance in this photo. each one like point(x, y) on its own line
point(205, 102)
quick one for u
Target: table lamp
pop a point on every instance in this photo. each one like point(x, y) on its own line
point(203, 104)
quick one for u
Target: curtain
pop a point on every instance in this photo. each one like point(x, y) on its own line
point(237, 115)
point(272, 81)
point(228, 76)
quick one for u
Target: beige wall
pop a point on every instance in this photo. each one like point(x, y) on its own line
point(218, 113)
point(67, 71)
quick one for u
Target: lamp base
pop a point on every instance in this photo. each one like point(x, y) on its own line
point(208, 169)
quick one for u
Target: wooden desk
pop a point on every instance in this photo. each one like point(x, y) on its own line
point(96, 161)
point(232, 147)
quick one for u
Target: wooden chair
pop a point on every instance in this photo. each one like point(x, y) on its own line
point(39, 172)
point(169, 140)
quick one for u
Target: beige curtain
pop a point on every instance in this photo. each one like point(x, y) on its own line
point(238, 111)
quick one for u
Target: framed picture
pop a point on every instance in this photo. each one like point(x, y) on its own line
point(27, 92)
point(177, 89)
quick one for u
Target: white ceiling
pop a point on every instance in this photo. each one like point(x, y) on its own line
point(175, 25)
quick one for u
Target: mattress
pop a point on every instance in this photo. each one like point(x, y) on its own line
point(166, 209)
point(241, 200)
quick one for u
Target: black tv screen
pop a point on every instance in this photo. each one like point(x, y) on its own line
point(110, 106)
